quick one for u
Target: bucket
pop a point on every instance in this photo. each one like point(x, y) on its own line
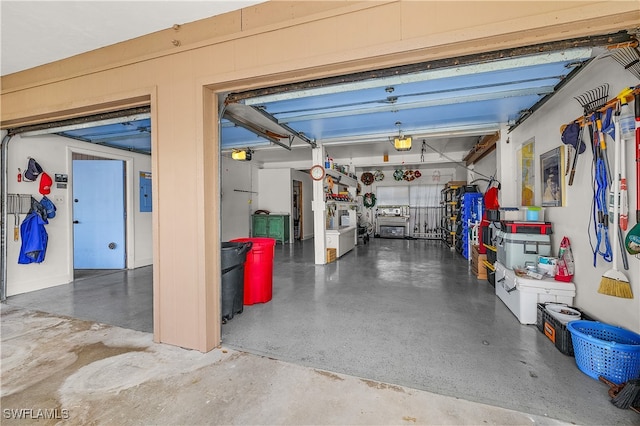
point(258, 270)
point(533, 213)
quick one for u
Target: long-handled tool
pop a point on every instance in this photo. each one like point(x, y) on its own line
point(613, 179)
point(591, 101)
point(579, 149)
point(624, 203)
point(632, 241)
point(614, 282)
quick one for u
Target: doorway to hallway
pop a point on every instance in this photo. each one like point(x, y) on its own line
point(296, 209)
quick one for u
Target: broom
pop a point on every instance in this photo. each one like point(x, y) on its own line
point(629, 396)
point(614, 282)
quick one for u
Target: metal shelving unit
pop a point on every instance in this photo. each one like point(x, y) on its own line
point(450, 205)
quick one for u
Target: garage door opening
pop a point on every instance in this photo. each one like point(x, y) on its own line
point(99, 262)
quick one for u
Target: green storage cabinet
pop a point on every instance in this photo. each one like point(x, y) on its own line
point(260, 226)
point(274, 226)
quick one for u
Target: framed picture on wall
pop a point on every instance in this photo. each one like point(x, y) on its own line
point(552, 177)
point(527, 172)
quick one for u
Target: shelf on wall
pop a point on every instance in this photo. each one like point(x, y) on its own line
point(341, 203)
point(341, 178)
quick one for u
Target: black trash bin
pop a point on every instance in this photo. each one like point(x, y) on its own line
point(233, 256)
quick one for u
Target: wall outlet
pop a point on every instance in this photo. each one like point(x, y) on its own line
point(58, 199)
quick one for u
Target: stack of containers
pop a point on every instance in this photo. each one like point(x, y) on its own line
point(518, 283)
point(471, 215)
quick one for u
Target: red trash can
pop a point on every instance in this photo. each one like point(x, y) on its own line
point(258, 270)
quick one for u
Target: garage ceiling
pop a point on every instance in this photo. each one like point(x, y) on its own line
point(449, 107)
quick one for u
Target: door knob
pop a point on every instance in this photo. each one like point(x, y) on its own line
point(76, 221)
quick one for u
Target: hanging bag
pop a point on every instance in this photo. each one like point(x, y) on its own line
point(566, 265)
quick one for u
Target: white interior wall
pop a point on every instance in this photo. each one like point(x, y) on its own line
point(483, 169)
point(246, 188)
point(431, 174)
point(53, 153)
point(275, 192)
point(572, 220)
point(239, 198)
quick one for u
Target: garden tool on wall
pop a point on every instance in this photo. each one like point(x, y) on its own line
point(610, 127)
point(624, 201)
point(614, 282)
point(601, 219)
point(632, 241)
point(628, 57)
point(13, 206)
point(591, 101)
point(572, 136)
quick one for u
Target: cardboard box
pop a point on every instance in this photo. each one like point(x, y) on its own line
point(331, 255)
point(477, 263)
point(456, 183)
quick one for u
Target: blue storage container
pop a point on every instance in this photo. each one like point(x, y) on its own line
point(605, 350)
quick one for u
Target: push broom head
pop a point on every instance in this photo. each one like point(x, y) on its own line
point(629, 396)
point(615, 283)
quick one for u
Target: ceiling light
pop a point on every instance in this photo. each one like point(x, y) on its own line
point(401, 143)
point(241, 154)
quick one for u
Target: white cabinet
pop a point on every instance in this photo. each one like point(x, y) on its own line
point(342, 240)
point(340, 215)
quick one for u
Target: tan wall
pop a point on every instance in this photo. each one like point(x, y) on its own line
point(262, 45)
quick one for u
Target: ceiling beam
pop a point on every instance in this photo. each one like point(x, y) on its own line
point(88, 121)
point(350, 79)
point(486, 145)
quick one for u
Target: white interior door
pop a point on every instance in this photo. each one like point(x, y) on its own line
point(98, 214)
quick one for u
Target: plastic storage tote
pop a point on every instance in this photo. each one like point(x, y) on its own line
point(233, 256)
point(258, 270)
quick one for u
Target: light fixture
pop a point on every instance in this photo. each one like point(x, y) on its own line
point(401, 142)
point(241, 154)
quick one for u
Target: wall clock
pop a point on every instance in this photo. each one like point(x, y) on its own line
point(317, 172)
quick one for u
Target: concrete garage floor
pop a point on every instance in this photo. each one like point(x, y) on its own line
point(66, 371)
point(405, 315)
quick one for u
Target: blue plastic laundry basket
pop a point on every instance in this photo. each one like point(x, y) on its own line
point(605, 350)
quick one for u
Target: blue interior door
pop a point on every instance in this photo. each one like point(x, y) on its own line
point(98, 214)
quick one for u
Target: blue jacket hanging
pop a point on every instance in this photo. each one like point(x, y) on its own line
point(34, 239)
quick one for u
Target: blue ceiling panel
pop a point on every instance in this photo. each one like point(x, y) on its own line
point(484, 95)
point(237, 137)
point(134, 135)
point(463, 114)
point(525, 77)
